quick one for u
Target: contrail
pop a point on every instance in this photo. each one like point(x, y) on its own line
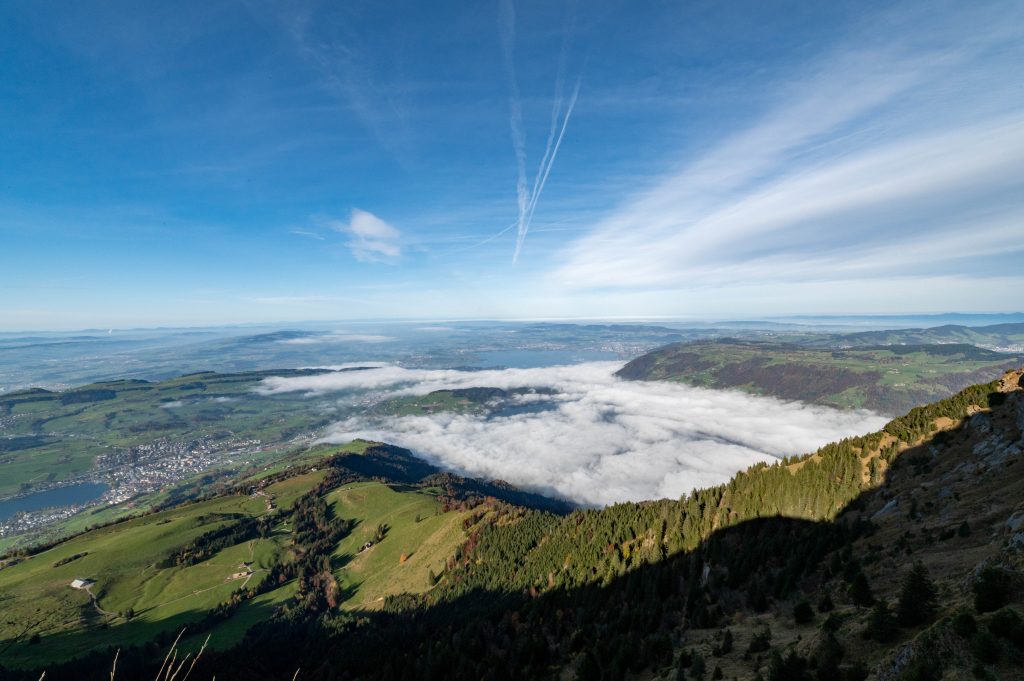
point(542, 176)
point(556, 107)
point(507, 29)
point(527, 201)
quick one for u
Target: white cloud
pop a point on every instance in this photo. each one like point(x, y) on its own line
point(601, 440)
point(878, 149)
point(373, 240)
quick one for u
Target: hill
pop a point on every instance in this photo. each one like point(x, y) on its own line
point(896, 555)
point(385, 521)
point(1007, 337)
point(887, 379)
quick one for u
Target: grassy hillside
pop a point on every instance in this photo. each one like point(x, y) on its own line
point(136, 597)
point(343, 527)
point(48, 437)
point(418, 540)
point(887, 379)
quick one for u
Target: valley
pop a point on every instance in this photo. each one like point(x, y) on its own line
point(364, 545)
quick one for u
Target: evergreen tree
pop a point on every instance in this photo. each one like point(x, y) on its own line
point(881, 624)
point(918, 598)
point(724, 646)
point(697, 667)
point(860, 590)
point(587, 668)
point(685, 660)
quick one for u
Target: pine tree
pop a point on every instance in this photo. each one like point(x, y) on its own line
point(918, 598)
point(860, 590)
point(881, 624)
point(697, 667)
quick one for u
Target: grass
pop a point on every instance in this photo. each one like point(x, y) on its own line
point(432, 403)
point(122, 560)
point(379, 571)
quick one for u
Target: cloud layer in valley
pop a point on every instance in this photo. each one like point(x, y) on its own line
point(337, 337)
point(598, 440)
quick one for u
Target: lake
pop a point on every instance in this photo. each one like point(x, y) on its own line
point(532, 359)
point(79, 493)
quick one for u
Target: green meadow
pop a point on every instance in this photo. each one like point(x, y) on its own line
point(418, 540)
point(53, 437)
point(137, 599)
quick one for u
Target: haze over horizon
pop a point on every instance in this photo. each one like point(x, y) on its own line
point(279, 162)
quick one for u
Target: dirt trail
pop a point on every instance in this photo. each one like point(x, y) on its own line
point(96, 603)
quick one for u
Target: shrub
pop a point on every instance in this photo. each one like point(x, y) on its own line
point(803, 613)
point(761, 641)
point(922, 669)
point(992, 590)
point(986, 647)
point(963, 624)
point(1007, 624)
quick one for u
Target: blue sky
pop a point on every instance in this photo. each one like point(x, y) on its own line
point(224, 162)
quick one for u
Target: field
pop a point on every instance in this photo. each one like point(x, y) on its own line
point(890, 379)
point(415, 529)
point(134, 598)
point(122, 559)
point(52, 437)
point(459, 401)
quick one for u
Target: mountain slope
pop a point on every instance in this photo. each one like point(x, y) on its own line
point(719, 579)
point(225, 563)
point(887, 379)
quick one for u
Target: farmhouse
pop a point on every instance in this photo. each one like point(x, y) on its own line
point(82, 583)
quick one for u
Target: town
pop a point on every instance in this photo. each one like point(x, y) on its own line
point(133, 472)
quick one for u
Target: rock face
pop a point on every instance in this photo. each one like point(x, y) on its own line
point(974, 475)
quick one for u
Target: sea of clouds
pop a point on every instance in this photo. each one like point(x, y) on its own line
point(598, 440)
